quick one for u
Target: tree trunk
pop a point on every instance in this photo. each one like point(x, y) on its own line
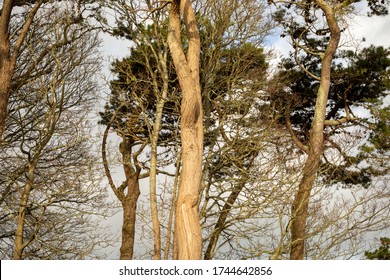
point(301, 201)
point(187, 224)
point(19, 242)
point(220, 225)
point(6, 72)
point(300, 207)
point(153, 155)
point(7, 57)
point(5, 84)
point(129, 205)
point(173, 207)
point(129, 201)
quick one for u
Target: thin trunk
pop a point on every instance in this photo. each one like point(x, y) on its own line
point(19, 241)
point(173, 207)
point(221, 223)
point(162, 58)
point(187, 224)
point(301, 201)
point(153, 173)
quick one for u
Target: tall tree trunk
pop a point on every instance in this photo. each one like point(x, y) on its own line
point(153, 154)
point(6, 69)
point(301, 201)
point(187, 225)
point(128, 200)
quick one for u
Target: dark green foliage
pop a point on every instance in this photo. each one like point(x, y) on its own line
point(378, 7)
point(132, 104)
point(380, 135)
point(382, 253)
point(359, 80)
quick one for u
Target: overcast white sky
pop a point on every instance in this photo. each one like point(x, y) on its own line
point(375, 30)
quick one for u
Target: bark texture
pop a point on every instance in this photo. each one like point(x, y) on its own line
point(6, 65)
point(129, 205)
point(188, 238)
point(129, 200)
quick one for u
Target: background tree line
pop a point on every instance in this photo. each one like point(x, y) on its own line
point(238, 160)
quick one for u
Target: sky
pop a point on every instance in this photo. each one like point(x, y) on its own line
point(375, 31)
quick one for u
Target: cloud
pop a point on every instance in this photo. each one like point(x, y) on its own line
point(375, 31)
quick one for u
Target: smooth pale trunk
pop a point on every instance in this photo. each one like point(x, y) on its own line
point(188, 237)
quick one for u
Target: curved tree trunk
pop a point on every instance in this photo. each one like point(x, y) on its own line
point(128, 200)
point(301, 201)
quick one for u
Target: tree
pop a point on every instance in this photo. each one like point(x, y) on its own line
point(321, 39)
point(382, 253)
point(142, 101)
point(233, 73)
point(51, 196)
point(359, 81)
point(12, 40)
point(187, 227)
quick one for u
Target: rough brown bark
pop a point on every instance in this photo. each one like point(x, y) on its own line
point(129, 205)
point(129, 200)
point(5, 84)
point(6, 69)
point(188, 238)
point(301, 201)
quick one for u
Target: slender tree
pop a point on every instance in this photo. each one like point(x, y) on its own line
point(50, 187)
point(328, 30)
point(143, 95)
